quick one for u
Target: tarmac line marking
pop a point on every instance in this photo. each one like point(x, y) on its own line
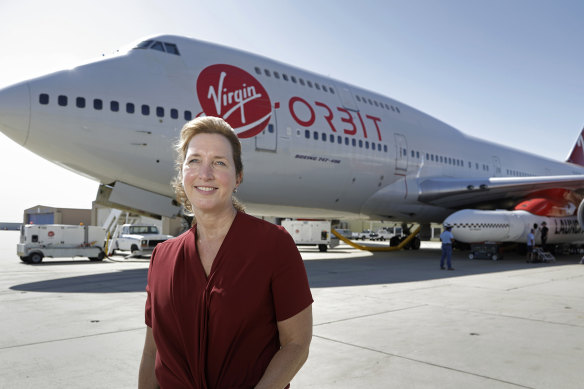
point(72, 338)
point(420, 361)
point(370, 315)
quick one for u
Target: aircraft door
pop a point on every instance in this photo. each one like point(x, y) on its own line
point(347, 98)
point(497, 171)
point(267, 140)
point(401, 154)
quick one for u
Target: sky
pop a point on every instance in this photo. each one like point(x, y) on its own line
point(509, 71)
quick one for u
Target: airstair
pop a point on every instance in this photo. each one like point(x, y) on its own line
point(542, 256)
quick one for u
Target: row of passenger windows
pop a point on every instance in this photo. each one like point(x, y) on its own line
point(295, 80)
point(446, 160)
point(301, 81)
point(331, 138)
point(115, 106)
point(377, 104)
point(516, 173)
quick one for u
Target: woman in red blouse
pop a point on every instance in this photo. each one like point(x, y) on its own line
point(228, 303)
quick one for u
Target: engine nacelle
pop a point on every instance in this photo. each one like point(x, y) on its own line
point(580, 214)
point(474, 226)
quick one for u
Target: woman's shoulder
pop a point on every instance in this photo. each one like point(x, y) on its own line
point(262, 226)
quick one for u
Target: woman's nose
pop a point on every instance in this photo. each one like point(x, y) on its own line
point(206, 171)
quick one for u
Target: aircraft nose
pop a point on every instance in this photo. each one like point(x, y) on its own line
point(15, 112)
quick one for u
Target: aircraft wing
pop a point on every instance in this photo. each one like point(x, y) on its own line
point(493, 192)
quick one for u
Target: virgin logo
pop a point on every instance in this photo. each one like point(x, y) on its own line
point(235, 95)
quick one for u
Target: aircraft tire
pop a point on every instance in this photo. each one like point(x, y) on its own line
point(415, 243)
point(322, 248)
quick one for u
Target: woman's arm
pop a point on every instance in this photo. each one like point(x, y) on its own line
point(147, 376)
point(295, 337)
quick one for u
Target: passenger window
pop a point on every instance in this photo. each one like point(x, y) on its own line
point(277, 75)
point(360, 143)
point(301, 81)
point(324, 88)
point(80, 102)
point(331, 138)
point(385, 148)
point(97, 104)
point(44, 98)
point(315, 135)
point(114, 106)
point(317, 86)
point(284, 76)
point(267, 72)
point(174, 113)
point(323, 137)
point(160, 112)
point(354, 142)
point(258, 71)
point(188, 115)
point(367, 145)
point(293, 79)
point(145, 110)
point(346, 141)
point(309, 83)
point(307, 134)
point(130, 107)
point(62, 100)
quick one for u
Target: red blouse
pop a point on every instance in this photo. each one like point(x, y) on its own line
point(220, 331)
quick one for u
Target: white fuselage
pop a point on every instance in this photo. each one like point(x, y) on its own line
point(334, 151)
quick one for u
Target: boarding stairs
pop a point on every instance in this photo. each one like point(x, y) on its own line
point(112, 224)
point(542, 256)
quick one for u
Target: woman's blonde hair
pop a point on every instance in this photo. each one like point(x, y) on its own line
point(204, 125)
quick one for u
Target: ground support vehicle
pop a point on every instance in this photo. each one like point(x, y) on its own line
point(138, 239)
point(311, 232)
point(60, 240)
point(485, 250)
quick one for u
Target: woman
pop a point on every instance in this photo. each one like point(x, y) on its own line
point(228, 304)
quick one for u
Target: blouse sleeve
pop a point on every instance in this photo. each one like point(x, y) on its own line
point(290, 288)
point(148, 309)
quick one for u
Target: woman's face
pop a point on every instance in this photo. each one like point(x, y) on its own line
point(209, 176)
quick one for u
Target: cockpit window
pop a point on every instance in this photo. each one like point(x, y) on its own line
point(143, 45)
point(157, 46)
point(165, 47)
point(171, 48)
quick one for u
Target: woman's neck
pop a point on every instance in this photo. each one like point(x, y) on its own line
point(213, 226)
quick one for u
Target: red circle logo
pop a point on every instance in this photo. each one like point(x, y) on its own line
point(51, 234)
point(236, 96)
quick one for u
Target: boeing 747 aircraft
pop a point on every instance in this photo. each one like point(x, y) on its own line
point(313, 146)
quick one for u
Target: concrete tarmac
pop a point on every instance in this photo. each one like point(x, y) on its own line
point(383, 320)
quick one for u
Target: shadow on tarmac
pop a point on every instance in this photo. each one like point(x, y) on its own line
point(379, 268)
point(125, 281)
